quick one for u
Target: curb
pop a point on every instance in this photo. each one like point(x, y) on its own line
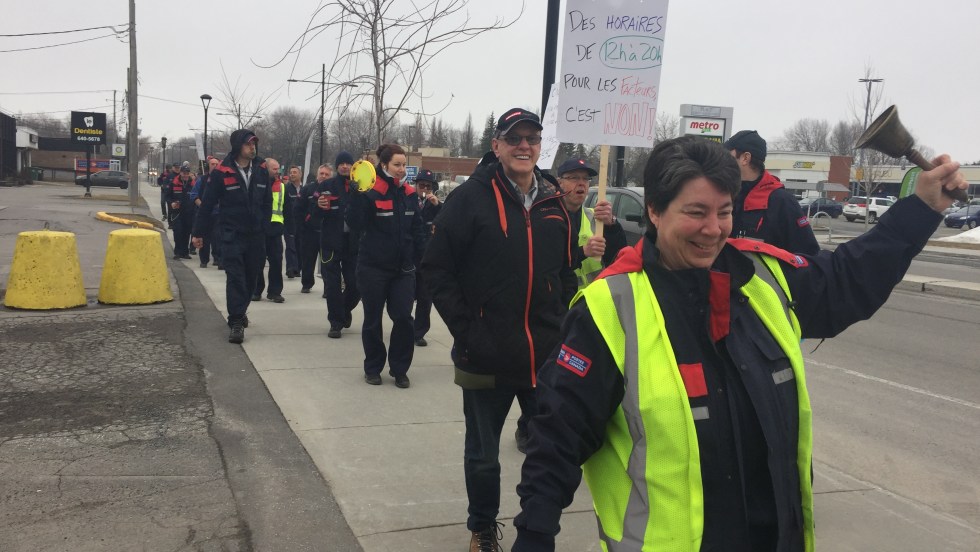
point(941, 287)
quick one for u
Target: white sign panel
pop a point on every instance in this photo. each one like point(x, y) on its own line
point(549, 136)
point(199, 144)
point(119, 150)
point(704, 127)
point(610, 71)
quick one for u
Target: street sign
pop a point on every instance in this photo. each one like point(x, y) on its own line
point(119, 150)
point(411, 172)
point(88, 128)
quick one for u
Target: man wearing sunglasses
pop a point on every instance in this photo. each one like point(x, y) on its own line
point(499, 268)
point(593, 252)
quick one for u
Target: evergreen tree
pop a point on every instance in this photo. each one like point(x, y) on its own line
point(488, 129)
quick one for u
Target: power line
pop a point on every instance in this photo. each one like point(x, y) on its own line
point(113, 27)
point(63, 110)
point(53, 92)
point(56, 45)
point(171, 101)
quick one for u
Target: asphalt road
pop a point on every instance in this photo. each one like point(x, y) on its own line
point(896, 403)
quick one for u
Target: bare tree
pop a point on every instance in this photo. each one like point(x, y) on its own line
point(285, 132)
point(353, 131)
point(843, 138)
point(240, 108)
point(806, 135)
point(45, 125)
point(467, 137)
point(387, 46)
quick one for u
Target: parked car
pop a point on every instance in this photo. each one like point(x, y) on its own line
point(813, 205)
point(968, 216)
point(857, 208)
point(113, 179)
point(627, 204)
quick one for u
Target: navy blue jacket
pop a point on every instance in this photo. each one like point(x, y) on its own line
point(244, 210)
point(748, 443)
point(387, 224)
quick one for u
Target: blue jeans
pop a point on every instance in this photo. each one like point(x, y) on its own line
point(485, 411)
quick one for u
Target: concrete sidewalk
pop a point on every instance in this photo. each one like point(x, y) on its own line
point(393, 457)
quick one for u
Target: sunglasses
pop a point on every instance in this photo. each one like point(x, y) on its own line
point(515, 140)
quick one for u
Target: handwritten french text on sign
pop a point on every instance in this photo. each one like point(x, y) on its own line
point(610, 71)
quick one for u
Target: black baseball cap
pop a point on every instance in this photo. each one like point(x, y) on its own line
point(750, 141)
point(576, 164)
point(517, 115)
point(425, 174)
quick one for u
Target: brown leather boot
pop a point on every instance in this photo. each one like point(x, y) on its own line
point(487, 539)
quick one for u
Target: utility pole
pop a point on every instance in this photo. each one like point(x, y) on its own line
point(132, 127)
point(323, 88)
point(550, 51)
point(115, 129)
point(864, 168)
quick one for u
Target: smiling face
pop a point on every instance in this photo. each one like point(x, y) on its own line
point(692, 230)
point(519, 160)
point(295, 176)
point(397, 166)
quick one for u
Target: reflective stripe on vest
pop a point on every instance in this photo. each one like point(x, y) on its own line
point(278, 200)
point(591, 266)
point(648, 493)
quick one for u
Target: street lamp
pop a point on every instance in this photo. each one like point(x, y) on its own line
point(323, 105)
point(206, 101)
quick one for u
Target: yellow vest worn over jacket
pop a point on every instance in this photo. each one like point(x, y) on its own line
point(591, 266)
point(278, 201)
point(645, 480)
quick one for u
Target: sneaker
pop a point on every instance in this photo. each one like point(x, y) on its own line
point(421, 342)
point(185, 256)
point(334, 333)
point(237, 334)
point(204, 264)
point(521, 438)
point(176, 257)
point(256, 298)
point(487, 539)
point(372, 379)
point(305, 290)
point(402, 382)
point(276, 298)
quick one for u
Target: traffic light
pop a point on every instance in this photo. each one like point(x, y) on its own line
point(163, 142)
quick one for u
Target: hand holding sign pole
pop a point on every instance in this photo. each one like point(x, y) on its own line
point(603, 176)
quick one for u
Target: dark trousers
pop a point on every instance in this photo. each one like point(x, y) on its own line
point(212, 245)
point(485, 411)
point(182, 233)
point(273, 254)
point(340, 278)
point(309, 252)
point(423, 307)
point(164, 207)
point(396, 289)
point(292, 256)
point(242, 256)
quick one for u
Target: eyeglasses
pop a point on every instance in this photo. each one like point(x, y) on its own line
point(576, 178)
point(515, 140)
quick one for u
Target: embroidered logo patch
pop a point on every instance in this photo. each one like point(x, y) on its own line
point(576, 362)
point(803, 222)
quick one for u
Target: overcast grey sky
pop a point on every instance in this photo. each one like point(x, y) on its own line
point(773, 61)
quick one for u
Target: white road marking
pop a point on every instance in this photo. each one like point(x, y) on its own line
point(954, 400)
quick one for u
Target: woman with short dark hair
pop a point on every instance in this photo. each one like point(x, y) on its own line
point(389, 223)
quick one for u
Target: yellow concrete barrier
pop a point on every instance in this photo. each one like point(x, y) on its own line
point(103, 216)
point(45, 272)
point(135, 271)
